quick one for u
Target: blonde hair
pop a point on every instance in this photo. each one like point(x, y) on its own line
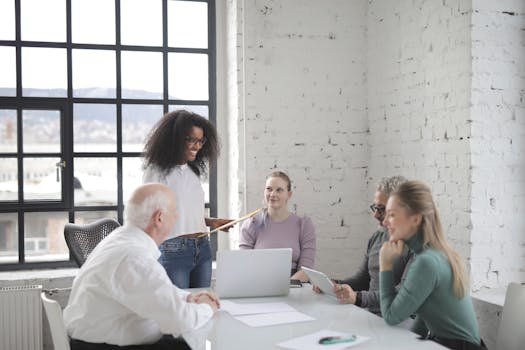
point(416, 197)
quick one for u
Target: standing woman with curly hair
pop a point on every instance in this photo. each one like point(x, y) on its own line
point(175, 154)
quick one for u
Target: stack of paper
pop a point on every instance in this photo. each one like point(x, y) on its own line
point(264, 314)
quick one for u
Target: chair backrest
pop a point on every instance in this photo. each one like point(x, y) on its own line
point(56, 323)
point(82, 239)
point(511, 332)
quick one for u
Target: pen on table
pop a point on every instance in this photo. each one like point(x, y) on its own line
point(336, 340)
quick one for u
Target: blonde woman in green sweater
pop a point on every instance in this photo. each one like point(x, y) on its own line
point(436, 285)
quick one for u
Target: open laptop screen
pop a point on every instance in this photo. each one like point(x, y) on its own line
point(253, 273)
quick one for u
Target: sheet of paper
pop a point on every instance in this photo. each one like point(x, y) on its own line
point(311, 341)
point(236, 309)
point(261, 320)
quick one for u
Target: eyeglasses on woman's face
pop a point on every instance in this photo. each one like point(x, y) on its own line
point(192, 141)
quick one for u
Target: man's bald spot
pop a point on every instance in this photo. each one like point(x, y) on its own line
point(147, 190)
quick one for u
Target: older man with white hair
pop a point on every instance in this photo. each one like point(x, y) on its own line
point(122, 297)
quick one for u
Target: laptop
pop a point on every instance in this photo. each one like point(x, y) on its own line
point(253, 273)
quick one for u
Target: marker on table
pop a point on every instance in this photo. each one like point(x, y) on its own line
point(336, 340)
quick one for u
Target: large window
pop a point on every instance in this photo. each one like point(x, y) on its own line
point(81, 84)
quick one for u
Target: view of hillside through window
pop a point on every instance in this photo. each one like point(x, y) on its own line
point(92, 116)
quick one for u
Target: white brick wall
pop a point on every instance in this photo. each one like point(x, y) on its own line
point(339, 93)
point(498, 142)
point(230, 106)
point(302, 109)
point(418, 101)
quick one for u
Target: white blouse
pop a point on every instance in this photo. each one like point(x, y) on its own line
point(187, 188)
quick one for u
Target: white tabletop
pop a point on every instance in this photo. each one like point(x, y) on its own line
point(225, 332)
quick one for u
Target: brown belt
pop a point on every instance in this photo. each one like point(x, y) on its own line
point(191, 235)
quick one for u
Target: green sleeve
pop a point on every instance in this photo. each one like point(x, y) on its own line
point(420, 281)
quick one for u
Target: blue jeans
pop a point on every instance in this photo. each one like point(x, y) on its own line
point(187, 261)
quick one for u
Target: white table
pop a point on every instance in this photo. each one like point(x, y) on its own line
point(227, 333)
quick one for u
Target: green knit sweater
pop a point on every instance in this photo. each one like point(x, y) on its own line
point(428, 292)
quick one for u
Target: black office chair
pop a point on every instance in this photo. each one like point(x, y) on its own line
point(82, 239)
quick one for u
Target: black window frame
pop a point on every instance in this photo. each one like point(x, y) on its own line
point(65, 105)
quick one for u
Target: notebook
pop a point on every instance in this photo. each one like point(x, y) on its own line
point(320, 280)
point(253, 273)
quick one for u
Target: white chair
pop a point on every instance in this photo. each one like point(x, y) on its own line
point(511, 332)
point(56, 323)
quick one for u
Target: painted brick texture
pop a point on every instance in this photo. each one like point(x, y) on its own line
point(305, 113)
point(341, 93)
point(498, 143)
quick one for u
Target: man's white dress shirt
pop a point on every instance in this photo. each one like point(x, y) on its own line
point(123, 296)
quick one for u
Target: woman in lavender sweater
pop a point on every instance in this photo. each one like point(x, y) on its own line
point(277, 227)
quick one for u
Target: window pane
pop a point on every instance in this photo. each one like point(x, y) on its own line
point(44, 236)
point(8, 131)
point(188, 24)
point(7, 70)
point(7, 20)
point(41, 131)
point(141, 22)
point(83, 12)
point(96, 181)
point(86, 217)
point(142, 75)
point(200, 110)
point(8, 179)
point(131, 175)
point(137, 121)
point(43, 20)
point(188, 76)
point(40, 179)
point(94, 128)
point(8, 238)
point(44, 72)
point(94, 73)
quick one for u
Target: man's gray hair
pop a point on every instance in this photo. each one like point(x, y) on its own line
point(388, 185)
point(139, 214)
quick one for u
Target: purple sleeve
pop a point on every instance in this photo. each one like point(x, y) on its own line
point(247, 239)
point(307, 243)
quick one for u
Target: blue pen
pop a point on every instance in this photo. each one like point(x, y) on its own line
point(336, 340)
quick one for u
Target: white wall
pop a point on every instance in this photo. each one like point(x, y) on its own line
point(498, 142)
point(301, 83)
point(418, 101)
point(340, 93)
point(229, 107)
